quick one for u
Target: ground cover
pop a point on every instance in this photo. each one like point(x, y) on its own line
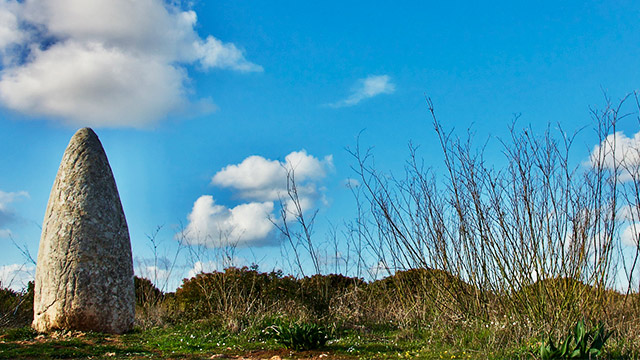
point(203, 341)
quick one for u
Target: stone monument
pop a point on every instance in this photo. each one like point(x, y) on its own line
point(84, 274)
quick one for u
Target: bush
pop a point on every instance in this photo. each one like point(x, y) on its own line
point(236, 290)
point(16, 308)
point(147, 294)
point(319, 291)
point(247, 290)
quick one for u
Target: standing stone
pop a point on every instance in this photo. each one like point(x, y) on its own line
point(84, 275)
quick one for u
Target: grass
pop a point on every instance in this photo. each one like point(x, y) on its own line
point(209, 339)
point(204, 339)
point(382, 320)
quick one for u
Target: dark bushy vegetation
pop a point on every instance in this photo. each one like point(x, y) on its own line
point(245, 291)
point(16, 307)
point(416, 305)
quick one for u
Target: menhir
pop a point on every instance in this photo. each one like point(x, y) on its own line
point(84, 274)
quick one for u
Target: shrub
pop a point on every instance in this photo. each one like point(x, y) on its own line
point(248, 291)
point(318, 291)
point(236, 290)
point(16, 308)
point(147, 294)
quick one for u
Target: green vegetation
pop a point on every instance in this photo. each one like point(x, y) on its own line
point(582, 344)
point(392, 318)
point(298, 336)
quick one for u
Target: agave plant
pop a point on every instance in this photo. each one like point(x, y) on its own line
point(581, 344)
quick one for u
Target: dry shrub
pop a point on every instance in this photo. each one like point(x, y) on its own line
point(153, 307)
point(537, 238)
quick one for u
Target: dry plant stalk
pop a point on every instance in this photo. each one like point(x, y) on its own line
point(537, 239)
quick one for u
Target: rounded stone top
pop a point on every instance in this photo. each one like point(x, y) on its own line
point(84, 134)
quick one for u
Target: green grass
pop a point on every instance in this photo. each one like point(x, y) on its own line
point(202, 339)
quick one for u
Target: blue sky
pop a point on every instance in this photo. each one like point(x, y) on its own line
point(199, 104)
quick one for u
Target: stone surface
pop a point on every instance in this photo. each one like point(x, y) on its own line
point(84, 274)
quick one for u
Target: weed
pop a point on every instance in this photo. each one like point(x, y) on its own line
point(299, 336)
point(581, 344)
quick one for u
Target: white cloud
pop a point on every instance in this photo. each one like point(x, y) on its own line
point(10, 33)
point(215, 225)
point(163, 278)
point(102, 86)
point(619, 152)
point(163, 272)
point(5, 233)
point(351, 183)
point(214, 53)
point(6, 213)
point(104, 62)
point(201, 267)
point(257, 178)
point(16, 276)
point(262, 183)
point(366, 88)
point(630, 234)
point(628, 213)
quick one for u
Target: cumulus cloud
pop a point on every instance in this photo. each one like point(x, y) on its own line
point(104, 62)
point(103, 86)
point(619, 153)
point(366, 88)
point(262, 183)
point(257, 178)
point(201, 267)
point(380, 269)
point(216, 225)
point(16, 276)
